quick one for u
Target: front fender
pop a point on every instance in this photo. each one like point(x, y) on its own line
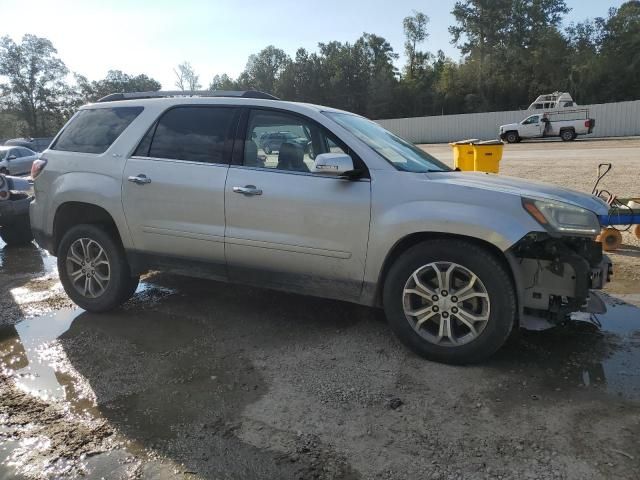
point(501, 227)
point(95, 189)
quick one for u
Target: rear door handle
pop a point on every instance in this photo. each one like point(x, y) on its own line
point(248, 190)
point(139, 179)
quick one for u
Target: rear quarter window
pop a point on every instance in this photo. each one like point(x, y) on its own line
point(94, 130)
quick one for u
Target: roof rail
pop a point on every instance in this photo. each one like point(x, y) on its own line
point(188, 93)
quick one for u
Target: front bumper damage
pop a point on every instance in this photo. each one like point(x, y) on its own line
point(556, 277)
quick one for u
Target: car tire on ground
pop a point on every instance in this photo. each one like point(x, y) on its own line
point(93, 268)
point(18, 233)
point(512, 137)
point(567, 135)
point(450, 300)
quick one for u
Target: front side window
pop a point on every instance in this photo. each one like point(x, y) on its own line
point(26, 152)
point(280, 141)
point(197, 134)
point(94, 130)
point(401, 154)
point(530, 120)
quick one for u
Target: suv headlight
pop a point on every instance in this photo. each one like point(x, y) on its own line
point(562, 218)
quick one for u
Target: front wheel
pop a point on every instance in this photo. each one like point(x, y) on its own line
point(450, 301)
point(93, 269)
point(512, 137)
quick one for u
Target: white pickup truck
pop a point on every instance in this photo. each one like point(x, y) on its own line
point(565, 124)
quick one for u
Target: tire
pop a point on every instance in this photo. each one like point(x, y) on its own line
point(499, 306)
point(567, 135)
point(18, 233)
point(512, 137)
point(267, 149)
point(4, 171)
point(104, 295)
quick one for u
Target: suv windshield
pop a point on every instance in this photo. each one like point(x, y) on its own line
point(400, 153)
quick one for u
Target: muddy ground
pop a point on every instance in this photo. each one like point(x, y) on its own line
point(197, 379)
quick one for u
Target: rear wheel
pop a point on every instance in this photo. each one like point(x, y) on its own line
point(512, 137)
point(450, 301)
point(93, 269)
point(18, 233)
point(567, 135)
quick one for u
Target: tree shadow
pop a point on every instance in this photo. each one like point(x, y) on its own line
point(18, 266)
point(176, 381)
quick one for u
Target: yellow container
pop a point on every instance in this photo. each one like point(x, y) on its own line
point(476, 156)
point(487, 156)
point(463, 154)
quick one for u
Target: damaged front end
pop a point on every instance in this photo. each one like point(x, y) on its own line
point(556, 276)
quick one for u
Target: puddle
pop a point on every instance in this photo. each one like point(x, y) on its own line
point(25, 352)
point(26, 260)
point(581, 356)
point(150, 379)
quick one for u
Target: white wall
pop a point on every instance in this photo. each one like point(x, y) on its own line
point(612, 120)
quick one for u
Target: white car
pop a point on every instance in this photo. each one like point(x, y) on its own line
point(566, 125)
point(16, 160)
point(176, 182)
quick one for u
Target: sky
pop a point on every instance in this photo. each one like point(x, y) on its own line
point(217, 36)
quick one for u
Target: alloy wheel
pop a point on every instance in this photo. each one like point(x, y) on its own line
point(88, 267)
point(446, 304)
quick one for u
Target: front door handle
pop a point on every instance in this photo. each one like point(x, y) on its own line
point(139, 179)
point(248, 190)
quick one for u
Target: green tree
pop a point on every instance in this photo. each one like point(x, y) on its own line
point(513, 49)
point(116, 81)
point(222, 82)
point(415, 30)
point(264, 69)
point(35, 85)
point(619, 54)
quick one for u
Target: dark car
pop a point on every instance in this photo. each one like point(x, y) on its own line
point(35, 144)
point(15, 196)
point(271, 142)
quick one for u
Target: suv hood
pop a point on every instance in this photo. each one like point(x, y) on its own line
point(522, 188)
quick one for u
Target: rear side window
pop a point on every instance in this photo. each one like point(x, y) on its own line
point(94, 130)
point(197, 134)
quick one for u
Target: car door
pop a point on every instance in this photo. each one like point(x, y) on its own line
point(17, 164)
point(288, 228)
point(27, 159)
point(173, 188)
point(531, 127)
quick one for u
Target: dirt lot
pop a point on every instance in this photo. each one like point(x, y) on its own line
point(196, 379)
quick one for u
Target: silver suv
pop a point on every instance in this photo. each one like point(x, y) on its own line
point(457, 260)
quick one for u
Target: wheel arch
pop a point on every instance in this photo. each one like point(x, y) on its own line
point(69, 214)
point(408, 241)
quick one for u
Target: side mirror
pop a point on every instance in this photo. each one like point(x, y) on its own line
point(334, 164)
point(11, 157)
